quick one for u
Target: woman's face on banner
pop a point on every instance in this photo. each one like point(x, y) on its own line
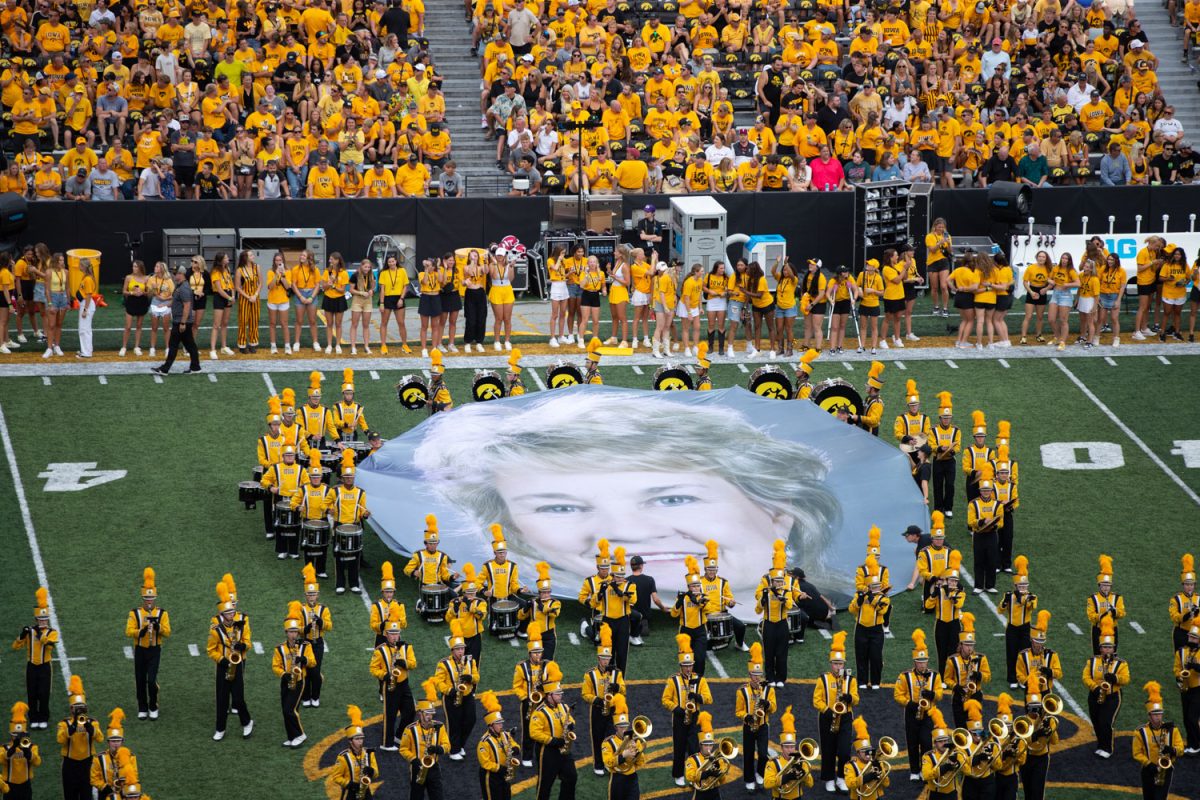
point(663, 517)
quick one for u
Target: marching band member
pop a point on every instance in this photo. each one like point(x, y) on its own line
point(979, 771)
point(1155, 745)
point(528, 683)
point(552, 728)
point(1185, 605)
point(439, 395)
point(228, 647)
point(456, 677)
point(148, 626)
point(941, 766)
point(349, 508)
point(985, 517)
point(516, 387)
point(19, 757)
point(606, 604)
point(543, 610)
point(619, 601)
point(500, 579)
point(918, 690)
point(78, 734)
point(423, 741)
point(355, 766)
point(290, 429)
point(391, 662)
point(1187, 678)
point(967, 672)
point(431, 565)
point(1004, 439)
point(270, 452)
point(1037, 659)
point(774, 601)
point(593, 583)
point(1045, 736)
point(804, 368)
point(381, 609)
point(684, 695)
point(947, 603)
point(1105, 603)
point(1012, 754)
point(754, 704)
point(861, 574)
point(291, 662)
point(862, 773)
point(835, 691)
point(706, 765)
point(283, 480)
point(1007, 494)
point(933, 559)
point(872, 411)
point(106, 774)
point(316, 622)
point(592, 373)
point(346, 417)
point(624, 753)
point(131, 788)
point(912, 422)
point(469, 611)
point(976, 455)
point(601, 685)
point(691, 609)
point(869, 609)
point(315, 500)
point(787, 775)
point(498, 752)
point(703, 381)
point(313, 417)
point(946, 438)
point(720, 593)
point(39, 641)
point(1104, 675)
point(1018, 607)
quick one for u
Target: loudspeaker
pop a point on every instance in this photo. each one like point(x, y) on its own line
point(1009, 202)
point(14, 214)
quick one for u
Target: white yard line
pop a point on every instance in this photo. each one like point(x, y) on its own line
point(1108, 360)
point(258, 648)
point(1004, 363)
point(1164, 360)
point(717, 665)
point(212, 377)
point(825, 634)
point(1136, 628)
point(270, 384)
point(1074, 629)
point(157, 378)
point(129, 652)
point(1128, 432)
point(45, 380)
point(900, 365)
point(35, 550)
point(374, 375)
point(193, 651)
point(951, 364)
point(538, 380)
point(573, 638)
point(637, 370)
point(103, 380)
point(743, 368)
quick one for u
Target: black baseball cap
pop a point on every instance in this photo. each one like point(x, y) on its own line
point(637, 561)
point(912, 530)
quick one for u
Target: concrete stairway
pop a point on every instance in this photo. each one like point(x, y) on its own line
point(1176, 79)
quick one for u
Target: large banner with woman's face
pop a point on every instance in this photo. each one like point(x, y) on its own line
point(658, 473)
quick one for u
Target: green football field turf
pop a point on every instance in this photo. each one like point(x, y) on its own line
point(186, 442)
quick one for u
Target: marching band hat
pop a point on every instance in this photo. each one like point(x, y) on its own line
point(347, 380)
point(1033, 690)
point(514, 360)
point(987, 476)
point(491, 708)
point(498, 542)
point(295, 617)
point(837, 648)
point(20, 718)
point(224, 603)
point(553, 682)
point(862, 737)
point(131, 788)
point(1106, 569)
point(911, 396)
point(435, 362)
point(710, 557)
point(534, 634)
point(314, 383)
point(702, 356)
point(1020, 570)
point(274, 410)
point(75, 695)
point(469, 583)
point(543, 578)
point(1039, 629)
point(1187, 565)
point(355, 728)
point(1154, 701)
point(287, 399)
point(41, 601)
point(693, 570)
point(618, 563)
point(620, 709)
point(806, 361)
point(310, 579)
point(314, 462)
point(940, 730)
point(787, 722)
point(431, 528)
point(967, 624)
point(116, 724)
point(1003, 432)
point(873, 541)
point(348, 463)
point(978, 423)
point(706, 728)
point(1108, 631)
point(603, 559)
point(920, 650)
point(387, 576)
point(227, 579)
point(937, 525)
point(945, 404)
point(149, 590)
point(1004, 707)
point(605, 648)
point(456, 635)
point(684, 645)
point(1003, 464)
point(755, 665)
point(974, 711)
point(874, 572)
point(779, 559)
point(429, 701)
point(875, 376)
point(288, 450)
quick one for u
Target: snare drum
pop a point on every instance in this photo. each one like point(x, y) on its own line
point(504, 618)
point(331, 460)
point(257, 473)
point(487, 385)
point(287, 519)
point(672, 378)
point(249, 493)
point(795, 623)
point(771, 382)
point(314, 535)
point(347, 542)
point(562, 375)
point(435, 599)
point(720, 630)
point(835, 394)
point(327, 476)
point(413, 392)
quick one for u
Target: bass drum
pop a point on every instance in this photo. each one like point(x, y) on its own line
point(413, 392)
point(487, 385)
point(562, 375)
point(771, 382)
point(670, 378)
point(835, 394)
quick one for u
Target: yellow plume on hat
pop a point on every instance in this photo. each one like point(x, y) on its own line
point(937, 522)
point(42, 596)
point(918, 639)
point(1021, 565)
point(603, 546)
point(593, 349)
point(705, 720)
point(1107, 626)
point(1002, 454)
point(872, 565)
point(683, 642)
point(619, 705)
point(1186, 562)
point(619, 557)
point(839, 642)
point(978, 420)
point(148, 578)
point(553, 672)
point(497, 533)
point(431, 523)
point(1106, 564)
point(435, 358)
point(779, 559)
point(756, 653)
point(310, 573)
point(955, 561)
point(514, 360)
point(491, 703)
point(354, 713)
point(543, 571)
point(456, 631)
point(945, 400)
point(787, 722)
point(314, 458)
point(860, 729)
point(129, 774)
point(779, 545)
point(20, 713)
point(875, 374)
point(534, 631)
point(75, 685)
point(974, 710)
point(274, 407)
point(116, 717)
point(692, 565)
point(710, 548)
point(228, 580)
point(295, 611)
point(347, 460)
point(222, 593)
point(468, 572)
point(605, 635)
point(873, 537)
point(910, 390)
point(314, 382)
point(1004, 704)
point(1043, 620)
point(288, 397)
point(429, 687)
point(394, 613)
point(806, 360)
point(937, 718)
point(967, 622)
point(347, 376)
point(702, 354)
point(1004, 430)
point(124, 756)
point(987, 472)
point(387, 572)
point(1153, 691)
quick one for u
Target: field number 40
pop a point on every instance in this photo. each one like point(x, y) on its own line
point(75, 476)
point(1107, 455)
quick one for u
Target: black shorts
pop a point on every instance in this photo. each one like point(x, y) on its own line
point(27, 290)
point(1147, 289)
point(910, 292)
point(450, 302)
point(393, 301)
point(893, 306)
point(1194, 295)
point(185, 176)
point(219, 303)
point(430, 305)
point(964, 300)
point(841, 306)
point(589, 299)
point(1004, 302)
point(933, 161)
point(768, 309)
point(984, 305)
point(199, 303)
point(939, 266)
point(334, 305)
point(868, 311)
point(137, 306)
point(3, 301)
point(818, 308)
point(1042, 299)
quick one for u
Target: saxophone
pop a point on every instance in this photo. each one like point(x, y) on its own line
point(1165, 763)
point(839, 709)
point(233, 660)
point(296, 672)
point(1106, 688)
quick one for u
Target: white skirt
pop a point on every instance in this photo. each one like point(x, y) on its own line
point(558, 290)
point(682, 311)
point(640, 299)
point(1087, 305)
point(157, 310)
point(717, 304)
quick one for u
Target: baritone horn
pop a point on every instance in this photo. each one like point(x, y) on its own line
point(808, 749)
point(998, 728)
point(642, 727)
point(887, 748)
point(727, 749)
point(24, 743)
point(961, 739)
point(1052, 704)
point(1022, 727)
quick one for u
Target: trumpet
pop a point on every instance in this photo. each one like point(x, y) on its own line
point(80, 718)
point(428, 762)
point(641, 727)
point(24, 743)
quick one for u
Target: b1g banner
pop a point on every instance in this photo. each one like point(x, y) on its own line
point(658, 473)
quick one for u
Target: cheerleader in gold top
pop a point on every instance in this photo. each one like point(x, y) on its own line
point(516, 387)
point(291, 663)
point(355, 769)
point(500, 295)
point(429, 305)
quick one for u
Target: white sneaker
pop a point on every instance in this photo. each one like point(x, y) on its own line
point(841, 784)
point(1116, 341)
point(581, 344)
point(645, 341)
point(456, 756)
point(337, 348)
point(912, 337)
point(367, 349)
point(306, 703)
point(729, 351)
point(680, 782)
point(287, 349)
point(287, 742)
point(424, 353)
point(496, 345)
point(525, 763)
point(507, 345)
point(453, 348)
point(553, 341)
point(49, 352)
point(121, 353)
point(212, 354)
point(281, 556)
point(1138, 336)
point(21, 338)
point(883, 345)
point(750, 787)
point(1147, 332)
point(152, 352)
point(4, 349)
point(274, 349)
point(896, 342)
point(771, 354)
point(388, 749)
point(248, 729)
point(225, 350)
point(154, 714)
point(137, 351)
point(914, 777)
point(218, 736)
point(830, 786)
point(58, 350)
point(1106, 754)
point(316, 347)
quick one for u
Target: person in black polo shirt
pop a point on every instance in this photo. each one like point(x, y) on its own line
point(182, 316)
point(999, 167)
point(647, 593)
point(915, 536)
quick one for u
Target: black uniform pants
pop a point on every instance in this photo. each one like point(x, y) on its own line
point(699, 647)
point(739, 631)
point(188, 340)
point(972, 489)
point(620, 640)
point(1006, 541)
point(776, 638)
point(460, 720)
point(1006, 786)
point(868, 654)
point(927, 589)
point(943, 484)
point(1150, 789)
point(553, 765)
point(979, 788)
point(145, 675)
point(1103, 715)
point(318, 559)
point(20, 791)
point(918, 737)
point(347, 572)
point(708, 794)
point(231, 694)
point(754, 752)
point(599, 729)
point(683, 742)
point(431, 787)
point(77, 778)
point(493, 786)
point(956, 708)
point(287, 541)
point(527, 753)
point(289, 700)
point(835, 745)
point(1191, 718)
point(312, 685)
point(1033, 776)
point(1179, 637)
point(475, 311)
point(945, 641)
point(397, 702)
point(268, 507)
point(986, 546)
point(549, 643)
point(623, 787)
point(37, 687)
point(1016, 639)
